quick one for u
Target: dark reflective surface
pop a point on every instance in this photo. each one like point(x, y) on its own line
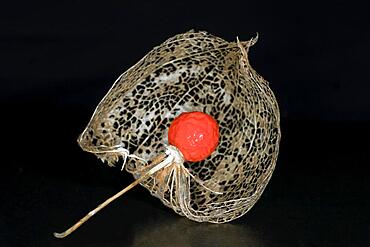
point(183, 233)
point(312, 200)
point(58, 59)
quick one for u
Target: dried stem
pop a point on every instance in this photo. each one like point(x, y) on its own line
point(156, 161)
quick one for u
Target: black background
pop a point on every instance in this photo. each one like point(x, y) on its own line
point(58, 59)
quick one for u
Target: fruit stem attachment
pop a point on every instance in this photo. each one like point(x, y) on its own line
point(100, 207)
point(157, 164)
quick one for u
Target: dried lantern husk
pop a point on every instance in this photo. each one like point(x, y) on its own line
point(194, 71)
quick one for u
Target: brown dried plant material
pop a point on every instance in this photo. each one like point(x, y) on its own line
point(194, 71)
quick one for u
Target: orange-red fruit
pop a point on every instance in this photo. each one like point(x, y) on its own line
point(195, 134)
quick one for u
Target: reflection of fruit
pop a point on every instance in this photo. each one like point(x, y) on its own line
point(195, 134)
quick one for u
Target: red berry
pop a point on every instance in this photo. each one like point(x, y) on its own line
point(195, 134)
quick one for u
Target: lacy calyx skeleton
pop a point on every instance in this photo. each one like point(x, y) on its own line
point(194, 71)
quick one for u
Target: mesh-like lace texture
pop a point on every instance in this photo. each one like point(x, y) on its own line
point(194, 71)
